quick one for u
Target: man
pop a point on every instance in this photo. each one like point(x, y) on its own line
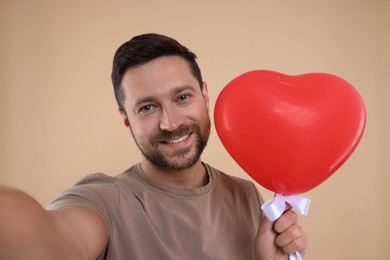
point(169, 206)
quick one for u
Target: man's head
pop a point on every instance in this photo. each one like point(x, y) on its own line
point(142, 49)
point(163, 100)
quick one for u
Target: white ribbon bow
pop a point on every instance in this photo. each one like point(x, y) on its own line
point(275, 207)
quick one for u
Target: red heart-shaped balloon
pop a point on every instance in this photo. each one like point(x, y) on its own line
point(289, 133)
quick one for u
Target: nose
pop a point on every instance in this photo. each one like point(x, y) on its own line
point(170, 119)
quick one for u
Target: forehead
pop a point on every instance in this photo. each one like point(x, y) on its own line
point(157, 77)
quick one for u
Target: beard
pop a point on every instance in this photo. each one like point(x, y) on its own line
point(186, 160)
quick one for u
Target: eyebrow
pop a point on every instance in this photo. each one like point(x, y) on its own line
point(179, 89)
point(175, 91)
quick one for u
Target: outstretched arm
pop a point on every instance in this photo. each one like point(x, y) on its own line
point(276, 240)
point(28, 231)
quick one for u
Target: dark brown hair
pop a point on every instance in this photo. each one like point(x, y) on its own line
point(142, 49)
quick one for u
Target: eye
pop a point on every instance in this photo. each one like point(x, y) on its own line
point(146, 109)
point(183, 98)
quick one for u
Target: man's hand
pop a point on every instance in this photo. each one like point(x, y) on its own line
point(276, 240)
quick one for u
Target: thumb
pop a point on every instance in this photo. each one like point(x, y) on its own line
point(265, 247)
point(266, 228)
point(266, 225)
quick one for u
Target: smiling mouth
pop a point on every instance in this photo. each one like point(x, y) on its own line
point(178, 140)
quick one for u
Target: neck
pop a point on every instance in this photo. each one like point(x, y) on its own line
point(194, 177)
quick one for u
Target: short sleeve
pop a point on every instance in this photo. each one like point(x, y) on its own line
point(97, 192)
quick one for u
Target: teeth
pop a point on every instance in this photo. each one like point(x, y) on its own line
point(177, 140)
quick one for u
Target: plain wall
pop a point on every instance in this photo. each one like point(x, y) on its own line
point(58, 113)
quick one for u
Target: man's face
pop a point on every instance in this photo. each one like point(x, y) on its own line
point(167, 112)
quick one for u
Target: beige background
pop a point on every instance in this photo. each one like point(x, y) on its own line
point(58, 114)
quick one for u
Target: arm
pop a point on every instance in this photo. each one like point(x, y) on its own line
point(276, 240)
point(28, 231)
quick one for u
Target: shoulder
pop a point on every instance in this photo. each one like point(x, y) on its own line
point(234, 189)
point(96, 191)
point(222, 176)
point(98, 183)
point(232, 183)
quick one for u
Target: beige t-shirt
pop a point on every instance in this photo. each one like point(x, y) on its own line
point(148, 220)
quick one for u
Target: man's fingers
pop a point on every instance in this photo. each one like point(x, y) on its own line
point(292, 239)
point(289, 235)
point(298, 244)
point(287, 219)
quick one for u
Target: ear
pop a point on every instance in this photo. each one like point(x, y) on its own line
point(205, 94)
point(124, 117)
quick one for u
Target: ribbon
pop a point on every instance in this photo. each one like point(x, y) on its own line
point(275, 207)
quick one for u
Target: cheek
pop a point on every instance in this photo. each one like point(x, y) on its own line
point(202, 113)
point(142, 129)
point(145, 132)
